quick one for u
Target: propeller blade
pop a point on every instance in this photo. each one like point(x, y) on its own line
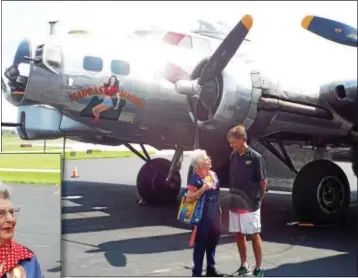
point(331, 30)
point(226, 50)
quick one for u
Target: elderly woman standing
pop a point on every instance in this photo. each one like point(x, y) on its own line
point(15, 260)
point(207, 234)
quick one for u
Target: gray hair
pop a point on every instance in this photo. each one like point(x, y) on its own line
point(197, 156)
point(4, 192)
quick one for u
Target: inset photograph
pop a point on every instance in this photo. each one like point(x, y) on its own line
point(30, 215)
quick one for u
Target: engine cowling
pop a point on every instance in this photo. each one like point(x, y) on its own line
point(230, 95)
point(342, 98)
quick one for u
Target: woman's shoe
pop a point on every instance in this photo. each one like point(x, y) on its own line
point(212, 272)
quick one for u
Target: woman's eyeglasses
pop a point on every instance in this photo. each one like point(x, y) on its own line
point(12, 212)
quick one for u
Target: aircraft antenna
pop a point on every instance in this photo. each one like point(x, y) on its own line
point(52, 26)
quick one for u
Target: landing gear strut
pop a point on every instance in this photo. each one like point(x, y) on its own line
point(158, 181)
point(321, 192)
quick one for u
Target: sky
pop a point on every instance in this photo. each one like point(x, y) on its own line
point(284, 49)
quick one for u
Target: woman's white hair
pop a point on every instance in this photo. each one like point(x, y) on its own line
point(197, 156)
point(4, 192)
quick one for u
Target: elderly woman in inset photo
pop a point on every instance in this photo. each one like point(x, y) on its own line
point(16, 261)
point(206, 234)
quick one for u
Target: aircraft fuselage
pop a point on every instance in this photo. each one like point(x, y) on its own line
point(66, 76)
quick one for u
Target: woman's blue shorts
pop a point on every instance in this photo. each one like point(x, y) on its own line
point(108, 101)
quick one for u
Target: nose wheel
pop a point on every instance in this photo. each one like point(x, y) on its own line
point(152, 184)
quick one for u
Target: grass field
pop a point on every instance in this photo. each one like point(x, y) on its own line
point(45, 161)
point(100, 154)
point(12, 144)
point(31, 178)
point(17, 148)
point(16, 140)
point(30, 161)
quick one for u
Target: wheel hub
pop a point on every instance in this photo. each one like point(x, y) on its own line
point(330, 194)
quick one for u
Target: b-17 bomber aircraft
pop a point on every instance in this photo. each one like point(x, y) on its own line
point(175, 89)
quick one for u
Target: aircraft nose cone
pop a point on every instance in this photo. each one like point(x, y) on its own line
point(14, 84)
point(5, 89)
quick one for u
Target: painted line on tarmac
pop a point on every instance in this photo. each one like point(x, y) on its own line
point(30, 170)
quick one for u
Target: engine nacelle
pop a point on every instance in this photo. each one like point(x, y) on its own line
point(341, 97)
point(231, 94)
point(292, 111)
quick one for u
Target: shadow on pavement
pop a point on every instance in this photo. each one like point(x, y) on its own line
point(344, 265)
point(55, 269)
point(124, 212)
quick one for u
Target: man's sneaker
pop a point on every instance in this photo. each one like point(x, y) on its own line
point(212, 272)
point(243, 270)
point(258, 272)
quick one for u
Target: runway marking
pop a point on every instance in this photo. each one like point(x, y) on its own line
point(30, 170)
point(72, 197)
point(68, 204)
point(279, 192)
point(84, 215)
point(99, 208)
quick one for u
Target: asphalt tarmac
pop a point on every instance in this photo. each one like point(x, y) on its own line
point(107, 233)
point(39, 223)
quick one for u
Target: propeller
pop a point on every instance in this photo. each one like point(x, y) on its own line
point(204, 88)
point(226, 50)
point(331, 30)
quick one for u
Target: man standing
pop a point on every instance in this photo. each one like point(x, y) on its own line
point(247, 188)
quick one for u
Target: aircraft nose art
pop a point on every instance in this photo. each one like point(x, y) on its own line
point(14, 84)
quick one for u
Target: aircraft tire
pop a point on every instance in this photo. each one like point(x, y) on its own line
point(321, 193)
point(355, 161)
point(355, 168)
point(151, 185)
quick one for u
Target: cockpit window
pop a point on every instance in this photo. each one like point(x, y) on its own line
point(177, 39)
point(120, 67)
point(92, 63)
